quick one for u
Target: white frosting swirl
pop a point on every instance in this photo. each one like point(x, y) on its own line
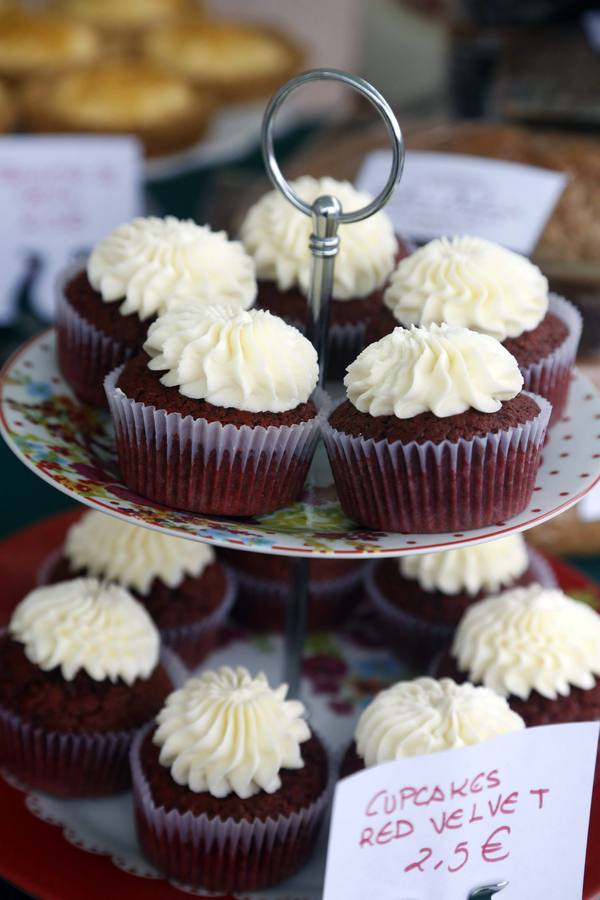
point(227, 732)
point(469, 570)
point(470, 282)
point(441, 369)
point(149, 260)
point(425, 716)
point(86, 625)
point(530, 639)
point(248, 360)
point(121, 551)
point(277, 236)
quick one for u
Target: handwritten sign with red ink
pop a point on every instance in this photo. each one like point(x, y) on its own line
point(514, 809)
point(59, 194)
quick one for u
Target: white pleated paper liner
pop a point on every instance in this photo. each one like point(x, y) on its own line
point(72, 764)
point(417, 639)
point(428, 488)
point(551, 376)
point(261, 602)
point(85, 354)
point(192, 641)
point(208, 467)
point(217, 854)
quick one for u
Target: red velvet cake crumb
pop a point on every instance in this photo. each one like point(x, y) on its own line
point(106, 317)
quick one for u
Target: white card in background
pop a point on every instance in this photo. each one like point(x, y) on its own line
point(588, 509)
point(513, 809)
point(59, 194)
point(451, 194)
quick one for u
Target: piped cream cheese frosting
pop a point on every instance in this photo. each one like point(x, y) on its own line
point(485, 567)
point(277, 235)
point(443, 369)
point(133, 556)
point(530, 639)
point(149, 260)
point(426, 716)
point(229, 732)
point(85, 625)
point(470, 282)
point(245, 359)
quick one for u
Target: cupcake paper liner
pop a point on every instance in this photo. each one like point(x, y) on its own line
point(432, 488)
point(191, 642)
point(72, 765)
point(418, 640)
point(551, 376)
point(261, 602)
point(216, 854)
point(208, 467)
point(85, 354)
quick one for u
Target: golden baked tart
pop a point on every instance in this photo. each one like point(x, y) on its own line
point(125, 16)
point(43, 42)
point(237, 61)
point(141, 98)
point(7, 109)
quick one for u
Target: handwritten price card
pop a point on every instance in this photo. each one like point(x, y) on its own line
point(449, 193)
point(436, 827)
point(59, 195)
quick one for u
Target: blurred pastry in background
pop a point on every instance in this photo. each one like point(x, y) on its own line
point(41, 42)
point(237, 61)
point(125, 19)
point(145, 99)
point(7, 109)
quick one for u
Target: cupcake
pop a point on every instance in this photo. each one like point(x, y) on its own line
point(235, 61)
point(155, 104)
point(229, 428)
point(537, 648)
point(7, 110)
point(421, 599)
point(476, 284)
point(264, 585)
point(125, 21)
point(415, 718)
point(41, 43)
point(277, 236)
point(104, 309)
point(230, 764)
point(436, 434)
point(185, 590)
point(81, 673)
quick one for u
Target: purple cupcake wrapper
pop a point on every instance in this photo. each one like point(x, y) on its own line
point(432, 636)
point(551, 376)
point(193, 642)
point(94, 352)
point(274, 460)
point(74, 765)
point(201, 838)
point(406, 487)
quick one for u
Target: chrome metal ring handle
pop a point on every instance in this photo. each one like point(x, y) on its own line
point(383, 108)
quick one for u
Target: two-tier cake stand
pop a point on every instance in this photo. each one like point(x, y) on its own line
point(71, 445)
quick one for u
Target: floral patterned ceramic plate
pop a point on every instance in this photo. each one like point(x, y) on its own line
point(71, 445)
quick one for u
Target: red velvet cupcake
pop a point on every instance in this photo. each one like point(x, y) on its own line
point(335, 587)
point(476, 284)
point(436, 434)
point(231, 426)
point(421, 599)
point(104, 310)
point(414, 718)
point(81, 674)
point(232, 765)
point(538, 648)
point(277, 237)
point(187, 592)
